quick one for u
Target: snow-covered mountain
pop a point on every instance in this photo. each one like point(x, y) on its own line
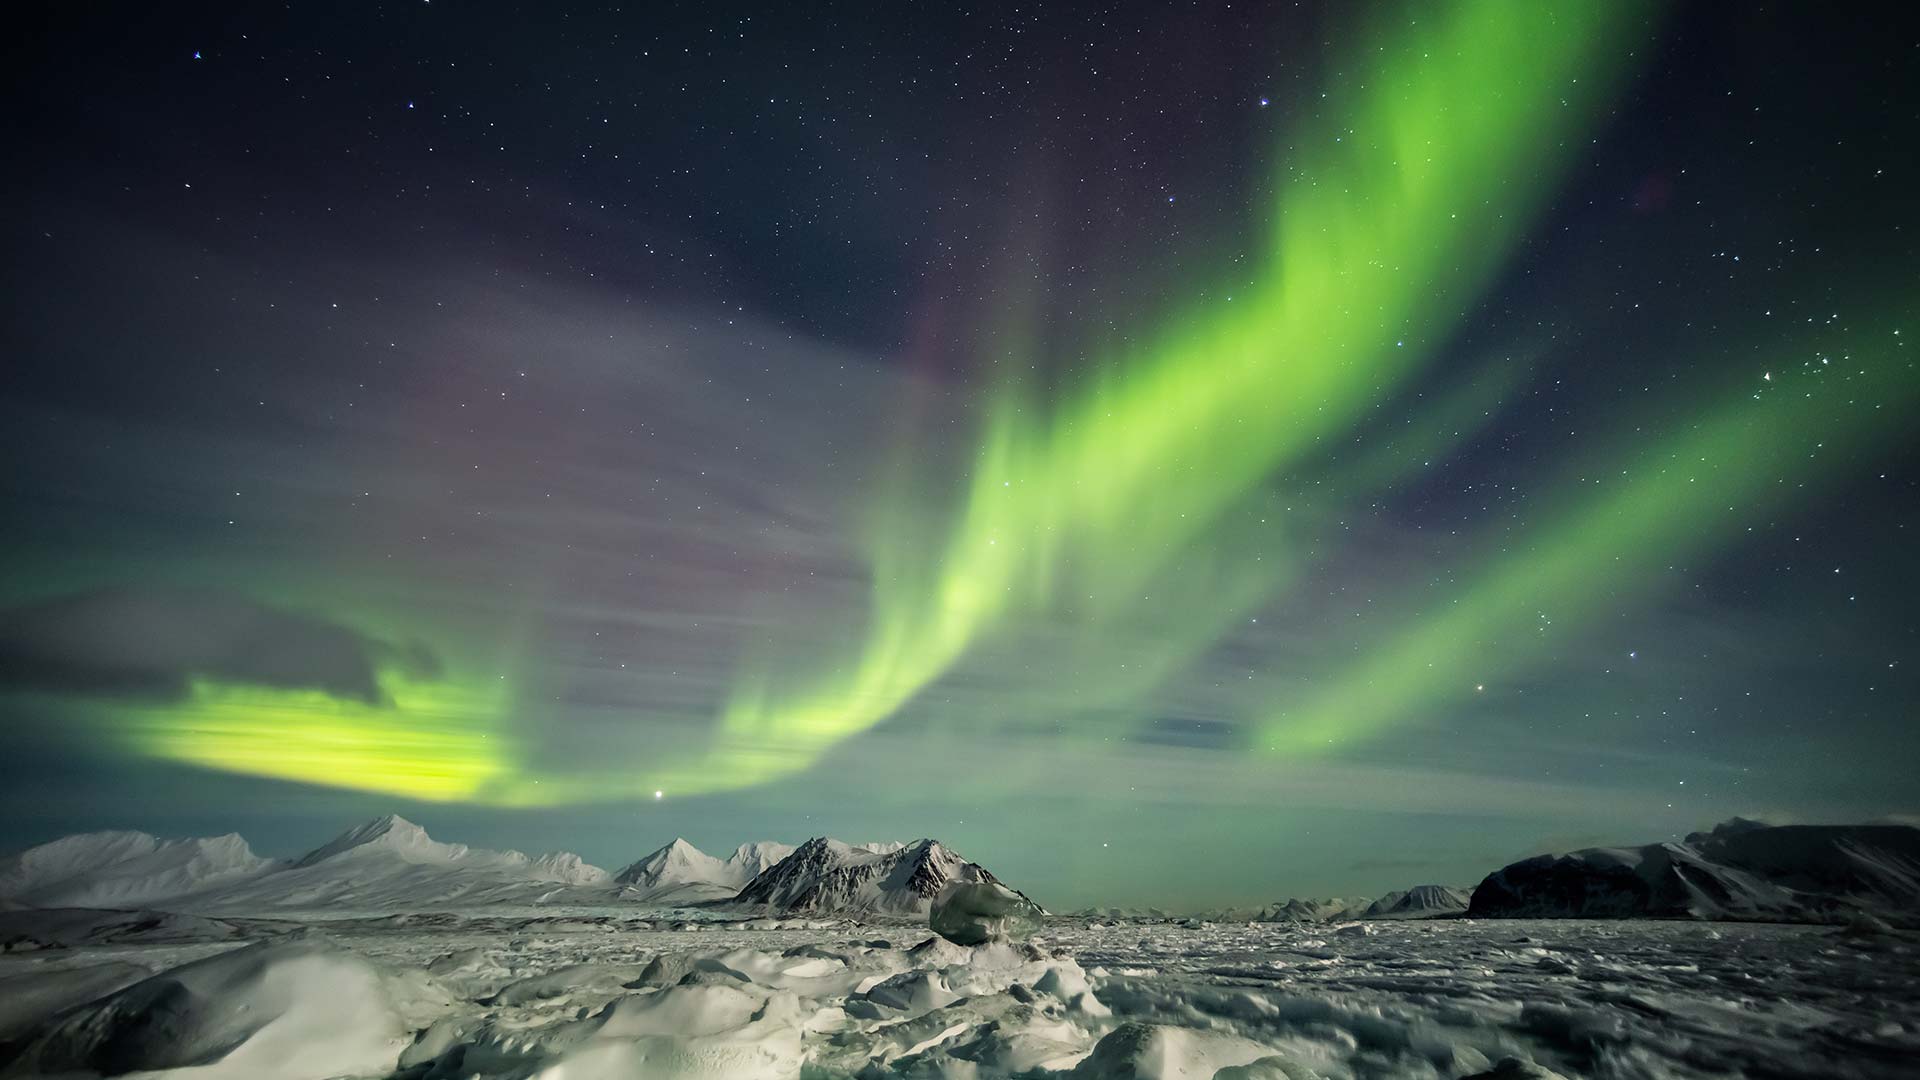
point(124, 869)
point(1330, 909)
point(390, 863)
point(1742, 869)
point(387, 863)
point(682, 873)
point(1145, 913)
point(678, 871)
point(827, 875)
point(1419, 902)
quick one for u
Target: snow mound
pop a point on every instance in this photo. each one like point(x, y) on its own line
point(1138, 1051)
point(292, 1009)
point(1740, 870)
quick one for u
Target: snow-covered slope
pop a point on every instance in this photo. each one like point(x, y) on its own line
point(124, 869)
point(1742, 869)
point(296, 1007)
point(827, 875)
point(749, 861)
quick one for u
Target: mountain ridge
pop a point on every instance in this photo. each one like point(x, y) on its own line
point(391, 863)
point(1740, 869)
point(827, 874)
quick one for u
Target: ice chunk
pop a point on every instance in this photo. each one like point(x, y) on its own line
point(976, 912)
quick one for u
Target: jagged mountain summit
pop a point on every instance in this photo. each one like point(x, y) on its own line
point(1742, 869)
point(682, 873)
point(827, 875)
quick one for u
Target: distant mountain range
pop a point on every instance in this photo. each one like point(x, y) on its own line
point(1739, 870)
point(391, 864)
point(1419, 902)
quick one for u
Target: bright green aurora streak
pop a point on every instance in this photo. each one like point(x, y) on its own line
point(1395, 212)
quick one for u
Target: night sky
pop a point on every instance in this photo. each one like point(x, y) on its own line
point(1176, 455)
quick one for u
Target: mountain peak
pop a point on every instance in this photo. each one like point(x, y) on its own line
point(677, 863)
point(827, 875)
point(388, 833)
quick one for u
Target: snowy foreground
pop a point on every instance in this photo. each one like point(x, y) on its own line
point(606, 993)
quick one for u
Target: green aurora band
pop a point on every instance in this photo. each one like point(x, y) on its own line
point(1136, 504)
point(1394, 213)
point(1692, 488)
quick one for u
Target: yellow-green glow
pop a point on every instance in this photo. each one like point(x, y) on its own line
point(437, 741)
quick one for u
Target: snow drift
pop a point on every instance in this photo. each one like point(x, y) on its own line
point(294, 1008)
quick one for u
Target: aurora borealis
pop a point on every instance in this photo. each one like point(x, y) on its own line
point(1180, 459)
